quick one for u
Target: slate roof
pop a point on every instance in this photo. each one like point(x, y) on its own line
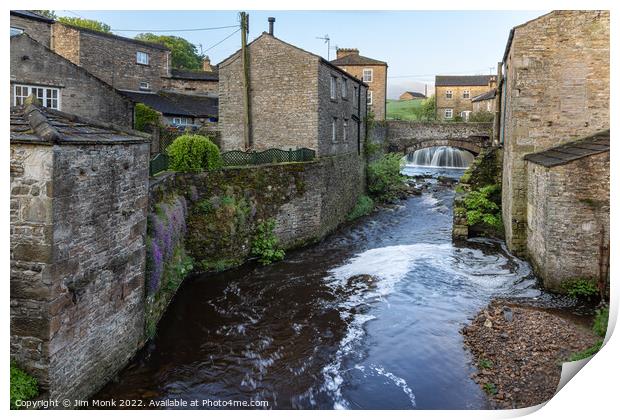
point(568, 152)
point(463, 80)
point(483, 97)
point(31, 15)
point(169, 103)
point(32, 123)
point(357, 60)
point(194, 75)
point(415, 94)
point(116, 37)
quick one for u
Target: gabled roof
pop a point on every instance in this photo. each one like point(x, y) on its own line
point(415, 94)
point(479, 80)
point(194, 75)
point(116, 37)
point(568, 152)
point(357, 60)
point(169, 103)
point(486, 95)
point(32, 123)
point(27, 14)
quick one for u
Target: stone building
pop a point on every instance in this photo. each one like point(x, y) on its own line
point(79, 193)
point(484, 102)
point(555, 89)
point(60, 84)
point(370, 71)
point(36, 26)
point(453, 94)
point(568, 211)
point(191, 82)
point(124, 63)
point(408, 96)
point(297, 99)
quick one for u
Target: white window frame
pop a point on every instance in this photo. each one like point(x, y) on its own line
point(448, 111)
point(367, 75)
point(333, 87)
point(43, 93)
point(448, 94)
point(16, 31)
point(345, 129)
point(143, 58)
point(466, 94)
point(144, 85)
point(184, 121)
point(369, 97)
point(344, 89)
point(334, 130)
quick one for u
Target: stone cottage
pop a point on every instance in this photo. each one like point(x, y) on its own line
point(484, 102)
point(202, 82)
point(60, 84)
point(79, 193)
point(370, 71)
point(297, 99)
point(568, 211)
point(408, 96)
point(453, 94)
point(554, 89)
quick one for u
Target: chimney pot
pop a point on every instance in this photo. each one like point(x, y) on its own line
point(206, 64)
point(271, 20)
point(343, 52)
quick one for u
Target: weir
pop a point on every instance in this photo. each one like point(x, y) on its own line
point(440, 157)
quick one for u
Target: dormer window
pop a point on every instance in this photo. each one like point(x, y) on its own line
point(142, 58)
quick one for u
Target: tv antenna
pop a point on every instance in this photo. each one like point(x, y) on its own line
point(326, 39)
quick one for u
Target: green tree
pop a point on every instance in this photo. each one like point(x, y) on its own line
point(47, 13)
point(427, 111)
point(86, 23)
point(145, 116)
point(184, 54)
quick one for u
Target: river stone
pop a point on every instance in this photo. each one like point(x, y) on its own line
point(488, 323)
point(507, 314)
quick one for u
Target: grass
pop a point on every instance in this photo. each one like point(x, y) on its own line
point(403, 110)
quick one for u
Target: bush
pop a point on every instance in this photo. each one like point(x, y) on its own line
point(145, 116)
point(482, 207)
point(580, 289)
point(600, 321)
point(23, 386)
point(363, 207)
point(265, 243)
point(384, 177)
point(193, 153)
point(481, 116)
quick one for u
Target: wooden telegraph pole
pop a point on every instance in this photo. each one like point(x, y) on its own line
point(247, 137)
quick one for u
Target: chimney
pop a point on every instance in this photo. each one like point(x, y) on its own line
point(343, 52)
point(492, 82)
point(206, 64)
point(271, 21)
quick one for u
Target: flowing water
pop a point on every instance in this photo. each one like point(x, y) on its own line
point(440, 157)
point(313, 332)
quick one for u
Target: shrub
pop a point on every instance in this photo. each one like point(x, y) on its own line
point(490, 388)
point(193, 153)
point(145, 116)
point(482, 207)
point(265, 243)
point(580, 288)
point(384, 177)
point(481, 116)
point(23, 386)
point(600, 321)
point(363, 207)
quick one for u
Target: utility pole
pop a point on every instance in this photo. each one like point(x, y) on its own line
point(247, 137)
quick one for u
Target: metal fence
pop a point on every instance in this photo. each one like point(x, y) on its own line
point(160, 162)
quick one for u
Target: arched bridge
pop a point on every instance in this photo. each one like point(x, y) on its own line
point(406, 137)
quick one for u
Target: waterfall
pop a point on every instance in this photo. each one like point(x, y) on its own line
point(440, 157)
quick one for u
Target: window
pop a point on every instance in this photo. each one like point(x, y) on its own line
point(344, 88)
point(448, 113)
point(367, 75)
point(142, 58)
point(145, 86)
point(49, 97)
point(180, 121)
point(345, 129)
point(465, 94)
point(333, 87)
point(448, 94)
point(334, 123)
point(16, 31)
point(369, 98)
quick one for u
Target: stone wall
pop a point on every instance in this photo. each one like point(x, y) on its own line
point(568, 219)
point(36, 29)
point(78, 226)
point(189, 86)
point(112, 58)
point(457, 103)
point(378, 86)
point(556, 89)
point(80, 93)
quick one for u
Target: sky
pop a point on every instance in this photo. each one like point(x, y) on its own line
point(417, 45)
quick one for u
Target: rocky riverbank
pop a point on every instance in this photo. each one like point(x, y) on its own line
point(519, 351)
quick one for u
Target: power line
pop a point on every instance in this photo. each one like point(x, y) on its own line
point(176, 30)
point(218, 43)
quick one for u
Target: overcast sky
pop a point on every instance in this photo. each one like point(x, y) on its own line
point(417, 45)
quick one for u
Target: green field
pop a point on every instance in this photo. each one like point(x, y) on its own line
point(403, 110)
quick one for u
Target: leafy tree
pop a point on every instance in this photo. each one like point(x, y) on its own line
point(184, 54)
point(86, 23)
point(427, 111)
point(47, 13)
point(193, 153)
point(145, 116)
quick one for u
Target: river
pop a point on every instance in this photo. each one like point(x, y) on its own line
point(311, 332)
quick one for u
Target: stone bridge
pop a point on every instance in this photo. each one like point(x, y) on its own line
point(406, 137)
